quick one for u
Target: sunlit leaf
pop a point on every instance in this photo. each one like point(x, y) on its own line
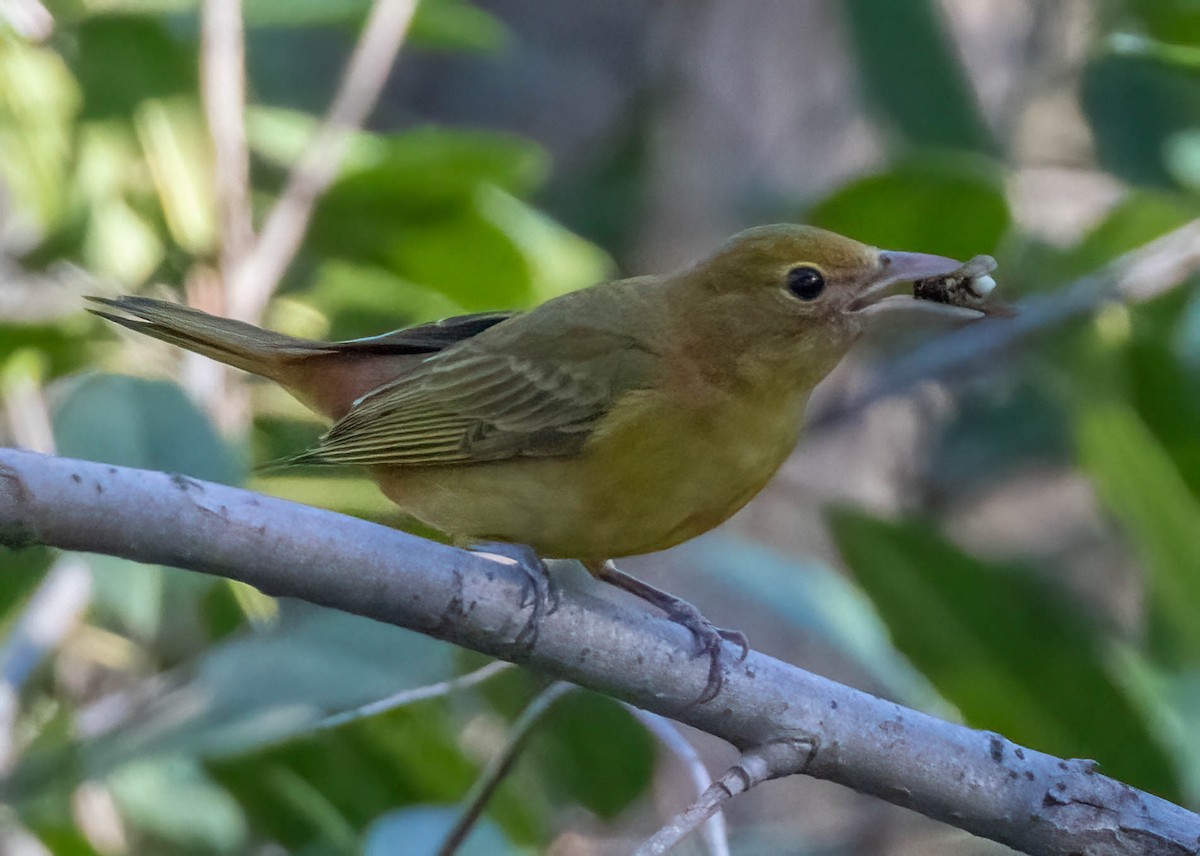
point(1174, 21)
point(176, 144)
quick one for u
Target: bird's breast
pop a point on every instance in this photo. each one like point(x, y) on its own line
point(660, 468)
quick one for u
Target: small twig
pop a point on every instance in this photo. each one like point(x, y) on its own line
point(382, 36)
point(28, 18)
point(770, 761)
point(407, 697)
point(223, 86)
point(716, 838)
point(499, 766)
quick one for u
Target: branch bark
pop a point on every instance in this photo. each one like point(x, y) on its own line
point(976, 781)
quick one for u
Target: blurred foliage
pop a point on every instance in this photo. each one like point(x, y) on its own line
point(202, 713)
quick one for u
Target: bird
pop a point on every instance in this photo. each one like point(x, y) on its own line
point(616, 420)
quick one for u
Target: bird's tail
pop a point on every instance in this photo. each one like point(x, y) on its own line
point(234, 343)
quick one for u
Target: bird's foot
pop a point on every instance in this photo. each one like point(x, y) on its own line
point(538, 589)
point(710, 639)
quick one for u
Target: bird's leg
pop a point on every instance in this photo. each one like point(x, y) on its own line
point(539, 588)
point(708, 637)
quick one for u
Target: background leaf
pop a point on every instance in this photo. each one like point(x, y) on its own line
point(1012, 654)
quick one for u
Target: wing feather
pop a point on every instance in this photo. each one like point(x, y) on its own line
point(478, 401)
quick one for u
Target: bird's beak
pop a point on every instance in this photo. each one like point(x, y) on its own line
point(896, 267)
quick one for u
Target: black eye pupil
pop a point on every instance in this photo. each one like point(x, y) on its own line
point(805, 282)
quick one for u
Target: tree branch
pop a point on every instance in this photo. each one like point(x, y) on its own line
point(223, 85)
point(973, 780)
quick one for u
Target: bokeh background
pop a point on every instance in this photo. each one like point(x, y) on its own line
point(1017, 547)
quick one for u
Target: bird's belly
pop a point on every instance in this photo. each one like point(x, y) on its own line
point(651, 478)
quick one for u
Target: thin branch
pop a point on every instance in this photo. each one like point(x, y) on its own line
point(407, 697)
point(970, 779)
point(382, 36)
point(716, 838)
point(481, 792)
point(223, 86)
point(779, 758)
point(28, 18)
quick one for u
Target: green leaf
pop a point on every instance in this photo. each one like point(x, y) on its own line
point(469, 258)
point(456, 25)
point(425, 170)
point(1166, 395)
point(260, 688)
point(176, 144)
point(1136, 106)
point(328, 787)
point(123, 60)
point(818, 601)
point(172, 801)
point(1004, 647)
point(1140, 484)
point(421, 830)
point(946, 204)
point(912, 76)
point(147, 424)
point(134, 422)
point(605, 775)
point(1175, 21)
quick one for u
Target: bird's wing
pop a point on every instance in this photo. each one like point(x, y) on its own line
point(486, 400)
point(425, 338)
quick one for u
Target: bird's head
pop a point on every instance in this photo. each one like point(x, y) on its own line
point(789, 296)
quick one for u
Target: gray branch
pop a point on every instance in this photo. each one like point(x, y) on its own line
point(973, 780)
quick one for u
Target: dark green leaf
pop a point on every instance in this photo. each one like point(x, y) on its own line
point(951, 205)
point(912, 76)
point(1136, 106)
point(123, 60)
point(597, 752)
point(1003, 646)
point(1175, 21)
point(1139, 482)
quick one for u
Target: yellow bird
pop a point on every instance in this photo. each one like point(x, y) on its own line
point(620, 419)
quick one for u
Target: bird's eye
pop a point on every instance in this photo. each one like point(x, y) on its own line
point(805, 282)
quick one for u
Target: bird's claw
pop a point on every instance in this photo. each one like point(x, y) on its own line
point(710, 640)
point(537, 590)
